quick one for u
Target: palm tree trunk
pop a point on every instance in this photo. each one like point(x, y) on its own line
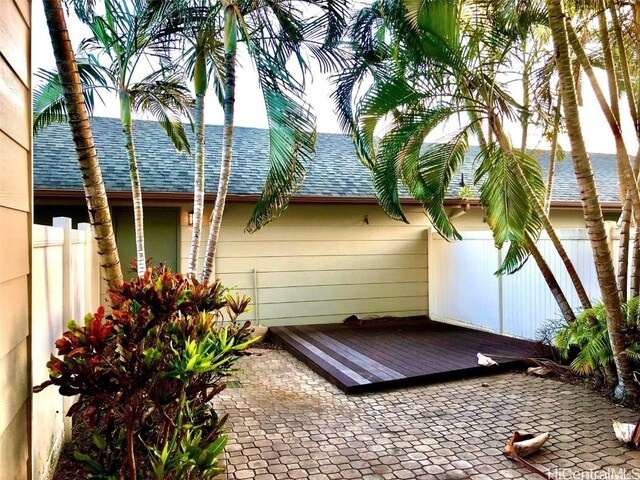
point(623, 249)
point(200, 84)
point(625, 226)
point(547, 274)
point(552, 157)
point(227, 143)
point(591, 206)
point(503, 140)
point(549, 277)
point(626, 175)
point(524, 121)
point(624, 65)
point(136, 189)
point(94, 191)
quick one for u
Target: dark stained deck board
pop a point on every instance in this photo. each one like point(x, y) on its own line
point(411, 350)
point(389, 350)
point(319, 363)
point(344, 360)
point(357, 361)
point(397, 352)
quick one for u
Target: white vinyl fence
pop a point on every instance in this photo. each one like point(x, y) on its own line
point(65, 286)
point(463, 288)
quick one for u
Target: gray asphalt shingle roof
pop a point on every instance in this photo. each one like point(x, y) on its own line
point(336, 171)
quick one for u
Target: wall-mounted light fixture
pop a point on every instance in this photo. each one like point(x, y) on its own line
point(191, 218)
point(366, 219)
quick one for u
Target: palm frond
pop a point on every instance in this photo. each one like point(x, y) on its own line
point(397, 154)
point(505, 199)
point(437, 166)
point(48, 96)
point(383, 97)
point(167, 99)
point(292, 138)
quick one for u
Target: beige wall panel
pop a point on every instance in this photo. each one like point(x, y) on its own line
point(235, 233)
point(341, 292)
point(356, 262)
point(323, 262)
point(342, 277)
point(14, 39)
point(15, 220)
point(14, 243)
point(333, 318)
point(567, 218)
point(299, 214)
point(14, 384)
point(332, 233)
point(285, 248)
point(14, 302)
point(14, 174)
point(360, 307)
point(14, 106)
point(561, 218)
point(14, 454)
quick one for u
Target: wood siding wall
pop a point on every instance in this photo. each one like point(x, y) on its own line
point(322, 263)
point(15, 221)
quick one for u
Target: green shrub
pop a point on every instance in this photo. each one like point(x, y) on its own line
point(590, 337)
point(146, 375)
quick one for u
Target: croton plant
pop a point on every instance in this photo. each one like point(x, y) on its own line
point(146, 373)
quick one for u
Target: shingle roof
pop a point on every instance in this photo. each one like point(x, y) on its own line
point(336, 172)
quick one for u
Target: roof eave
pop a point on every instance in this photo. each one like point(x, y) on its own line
point(48, 193)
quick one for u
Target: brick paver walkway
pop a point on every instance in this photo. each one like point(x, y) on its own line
point(287, 422)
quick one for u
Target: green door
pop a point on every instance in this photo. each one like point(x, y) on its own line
point(160, 236)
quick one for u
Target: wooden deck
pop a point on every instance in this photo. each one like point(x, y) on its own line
point(395, 353)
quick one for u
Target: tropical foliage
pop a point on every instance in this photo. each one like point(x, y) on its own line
point(588, 338)
point(407, 68)
point(146, 375)
point(77, 105)
point(280, 38)
point(418, 64)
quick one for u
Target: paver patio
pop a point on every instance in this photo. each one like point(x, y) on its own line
point(288, 422)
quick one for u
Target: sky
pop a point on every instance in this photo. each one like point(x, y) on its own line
point(250, 110)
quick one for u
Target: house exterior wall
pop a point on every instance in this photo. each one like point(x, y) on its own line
point(560, 218)
point(321, 263)
point(15, 222)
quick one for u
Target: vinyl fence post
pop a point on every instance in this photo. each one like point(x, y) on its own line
point(500, 296)
point(430, 273)
point(92, 272)
point(67, 301)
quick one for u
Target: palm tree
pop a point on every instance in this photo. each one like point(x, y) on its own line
point(126, 35)
point(76, 112)
point(193, 28)
point(274, 33)
point(589, 196)
point(446, 68)
point(232, 17)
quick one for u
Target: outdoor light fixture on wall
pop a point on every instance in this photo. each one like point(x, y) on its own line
point(191, 218)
